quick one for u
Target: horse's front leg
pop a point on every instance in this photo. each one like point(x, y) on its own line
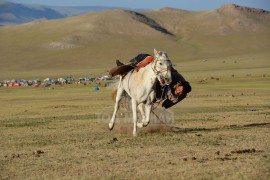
point(120, 91)
point(134, 111)
point(141, 108)
point(148, 108)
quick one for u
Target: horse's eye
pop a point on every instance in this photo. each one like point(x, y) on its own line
point(160, 63)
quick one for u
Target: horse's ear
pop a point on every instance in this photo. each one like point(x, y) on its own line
point(155, 53)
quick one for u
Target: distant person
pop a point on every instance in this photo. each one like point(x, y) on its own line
point(167, 95)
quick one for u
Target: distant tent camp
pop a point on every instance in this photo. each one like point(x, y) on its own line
point(47, 79)
point(16, 84)
point(46, 84)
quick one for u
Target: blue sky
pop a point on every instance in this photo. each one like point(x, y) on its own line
point(152, 4)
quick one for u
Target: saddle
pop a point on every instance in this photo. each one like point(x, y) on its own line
point(135, 64)
point(121, 70)
point(144, 63)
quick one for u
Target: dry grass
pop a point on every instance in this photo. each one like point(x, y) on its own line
point(221, 131)
point(62, 133)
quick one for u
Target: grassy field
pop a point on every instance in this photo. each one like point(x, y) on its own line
point(221, 131)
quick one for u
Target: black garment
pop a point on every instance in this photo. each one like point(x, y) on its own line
point(134, 61)
point(139, 58)
point(168, 93)
point(167, 103)
point(176, 78)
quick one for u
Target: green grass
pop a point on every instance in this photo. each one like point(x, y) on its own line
point(61, 124)
point(62, 132)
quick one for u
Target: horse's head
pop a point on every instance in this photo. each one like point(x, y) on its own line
point(162, 67)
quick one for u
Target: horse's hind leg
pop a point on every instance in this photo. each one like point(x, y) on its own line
point(134, 111)
point(120, 91)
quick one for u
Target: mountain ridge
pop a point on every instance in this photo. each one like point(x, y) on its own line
point(16, 13)
point(13, 13)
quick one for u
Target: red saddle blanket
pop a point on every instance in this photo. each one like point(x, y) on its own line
point(144, 62)
point(125, 68)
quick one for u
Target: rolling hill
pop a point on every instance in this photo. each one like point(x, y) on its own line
point(93, 41)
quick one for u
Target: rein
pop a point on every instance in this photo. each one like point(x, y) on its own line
point(158, 102)
point(157, 72)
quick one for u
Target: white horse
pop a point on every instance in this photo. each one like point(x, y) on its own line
point(140, 86)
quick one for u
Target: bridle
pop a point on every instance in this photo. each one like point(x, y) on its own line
point(156, 71)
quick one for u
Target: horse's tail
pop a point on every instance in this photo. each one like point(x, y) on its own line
point(125, 100)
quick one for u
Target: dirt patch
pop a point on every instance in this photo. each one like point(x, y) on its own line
point(61, 45)
point(127, 128)
point(156, 128)
point(246, 151)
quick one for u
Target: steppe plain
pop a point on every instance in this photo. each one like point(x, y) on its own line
point(220, 131)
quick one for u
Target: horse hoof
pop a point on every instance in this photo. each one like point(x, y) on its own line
point(135, 134)
point(139, 125)
point(145, 124)
point(111, 126)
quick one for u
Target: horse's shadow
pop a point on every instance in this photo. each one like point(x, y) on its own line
point(229, 127)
